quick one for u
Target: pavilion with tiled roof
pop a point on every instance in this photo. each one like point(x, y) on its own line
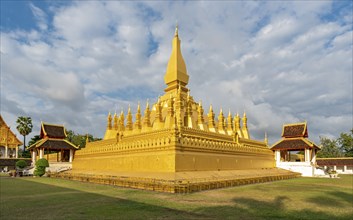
point(53, 140)
point(295, 139)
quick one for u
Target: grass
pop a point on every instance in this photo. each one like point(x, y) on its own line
point(301, 198)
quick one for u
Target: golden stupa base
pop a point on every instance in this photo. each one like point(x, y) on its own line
point(180, 182)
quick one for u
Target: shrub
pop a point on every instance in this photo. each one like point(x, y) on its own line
point(41, 164)
point(21, 164)
point(39, 171)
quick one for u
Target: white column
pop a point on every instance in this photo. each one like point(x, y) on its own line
point(278, 156)
point(314, 156)
point(16, 152)
point(6, 152)
point(344, 168)
point(40, 153)
point(34, 155)
point(335, 167)
point(71, 155)
point(307, 155)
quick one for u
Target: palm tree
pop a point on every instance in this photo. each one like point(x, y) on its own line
point(24, 127)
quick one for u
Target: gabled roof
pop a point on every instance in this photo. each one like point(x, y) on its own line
point(7, 137)
point(294, 137)
point(52, 131)
point(53, 137)
point(54, 144)
point(295, 130)
point(293, 144)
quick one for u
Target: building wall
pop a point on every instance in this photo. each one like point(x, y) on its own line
point(164, 151)
point(157, 161)
point(213, 161)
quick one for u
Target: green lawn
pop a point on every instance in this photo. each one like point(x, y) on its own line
point(301, 198)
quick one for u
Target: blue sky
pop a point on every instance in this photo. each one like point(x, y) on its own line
point(70, 62)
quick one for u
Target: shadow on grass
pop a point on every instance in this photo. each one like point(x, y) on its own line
point(246, 208)
point(21, 199)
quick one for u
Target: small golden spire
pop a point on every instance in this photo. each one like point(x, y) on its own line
point(211, 109)
point(87, 140)
point(176, 29)
point(266, 140)
point(122, 121)
point(211, 122)
point(138, 117)
point(221, 122)
point(147, 121)
point(129, 119)
point(109, 119)
point(115, 121)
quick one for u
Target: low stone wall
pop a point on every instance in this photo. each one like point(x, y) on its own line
point(173, 186)
point(10, 163)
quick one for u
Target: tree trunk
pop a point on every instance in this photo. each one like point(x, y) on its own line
point(24, 143)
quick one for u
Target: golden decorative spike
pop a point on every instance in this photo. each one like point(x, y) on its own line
point(87, 140)
point(176, 70)
point(200, 119)
point(244, 120)
point(237, 128)
point(138, 117)
point(170, 118)
point(211, 123)
point(129, 120)
point(158, 116)
point(266, 140)
point(116, 124)
point(176, 30)
point(121, 121)
point(146, 119)
point(109, 119)
point(189, 119)
point(229, 123)
point(245, 127)
point(221, 122)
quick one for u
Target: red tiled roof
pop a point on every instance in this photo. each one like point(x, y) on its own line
point(335, 161)
point(52, 131)
point(293, 144)
point(55, 144)
point(295, 130)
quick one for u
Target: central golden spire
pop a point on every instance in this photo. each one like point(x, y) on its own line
point(176, 70)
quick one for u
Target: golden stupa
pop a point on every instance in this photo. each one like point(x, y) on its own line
point(174, 146)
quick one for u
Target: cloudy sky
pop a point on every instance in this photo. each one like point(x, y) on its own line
point(282, 62)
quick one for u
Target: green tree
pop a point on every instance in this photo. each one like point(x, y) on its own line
point(329, 148)
point(79, 139)
point(24, 127)
point(33, 140)
point(345, 142)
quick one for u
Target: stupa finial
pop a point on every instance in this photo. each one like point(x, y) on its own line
point(176, 68)
point(176, 29)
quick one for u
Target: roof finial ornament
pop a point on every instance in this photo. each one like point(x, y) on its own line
point(176, 28)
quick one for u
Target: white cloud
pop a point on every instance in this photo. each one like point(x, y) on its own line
point(279, 61)
point(40, 16)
